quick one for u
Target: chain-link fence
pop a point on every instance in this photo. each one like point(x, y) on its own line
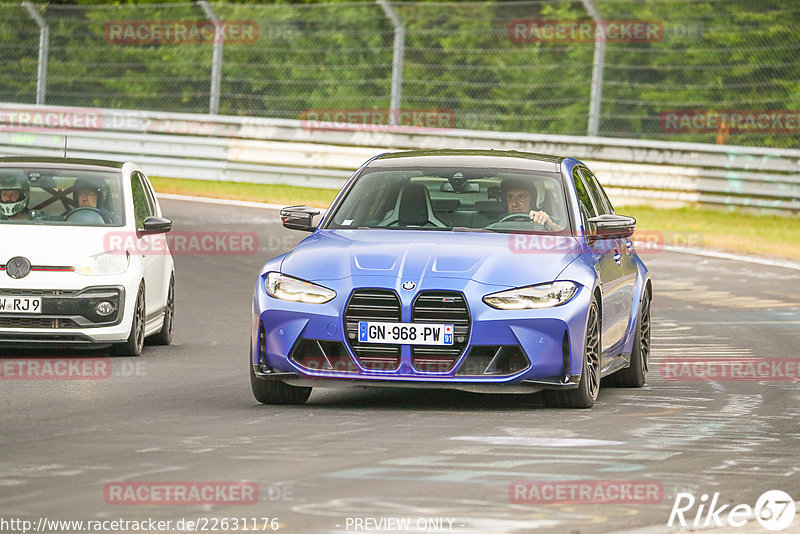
point(725, 71)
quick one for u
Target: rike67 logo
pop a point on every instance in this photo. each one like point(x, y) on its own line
point(774, 510)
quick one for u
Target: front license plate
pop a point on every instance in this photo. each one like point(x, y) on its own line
point(20, 305)
point(405, 333)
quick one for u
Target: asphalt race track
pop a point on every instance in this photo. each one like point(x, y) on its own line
point(446, 461)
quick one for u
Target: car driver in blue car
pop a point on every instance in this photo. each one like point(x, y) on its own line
point(14, 195)
point(519, 196)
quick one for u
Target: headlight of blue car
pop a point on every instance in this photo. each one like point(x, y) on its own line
point(286, 287)
point(531, 297)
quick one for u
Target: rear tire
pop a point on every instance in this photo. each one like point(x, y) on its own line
point(164, 337)
point(133, 347)
point(635, 375)
point(271, 391)
point(586, 393)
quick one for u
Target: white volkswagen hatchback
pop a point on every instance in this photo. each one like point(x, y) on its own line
point(84, 259)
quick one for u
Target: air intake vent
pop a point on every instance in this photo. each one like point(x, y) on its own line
point(37, 322)
point(322, 355)
point(40, 292)
point(494, 360)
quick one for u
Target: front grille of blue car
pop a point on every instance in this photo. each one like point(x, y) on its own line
point(442, 307)
point(373, 305)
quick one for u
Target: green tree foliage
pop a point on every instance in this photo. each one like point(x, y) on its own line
point(712, 55)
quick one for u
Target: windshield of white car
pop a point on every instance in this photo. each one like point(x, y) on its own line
point(454, 199)
point(60, 197)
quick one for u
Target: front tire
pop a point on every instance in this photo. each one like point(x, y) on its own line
point(133, 347)
point(586, 393)
point(271, 391)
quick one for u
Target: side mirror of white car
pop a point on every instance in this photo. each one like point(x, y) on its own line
point(154, 225)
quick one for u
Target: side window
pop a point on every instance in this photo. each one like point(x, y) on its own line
point(584, 202)
point(148, 191)
point(601, 199)
point(141, 206)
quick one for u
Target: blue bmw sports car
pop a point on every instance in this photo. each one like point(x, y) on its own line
point(484, 271)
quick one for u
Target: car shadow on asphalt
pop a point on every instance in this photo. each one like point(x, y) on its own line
point(385, 398)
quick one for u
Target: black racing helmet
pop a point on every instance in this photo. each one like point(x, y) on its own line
point(96, 185)
point(14, 180)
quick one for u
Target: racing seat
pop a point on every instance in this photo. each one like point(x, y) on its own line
point(413, 209)
point(550, 205)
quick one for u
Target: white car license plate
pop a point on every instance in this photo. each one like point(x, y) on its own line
point(405, 333)
point(20, 304)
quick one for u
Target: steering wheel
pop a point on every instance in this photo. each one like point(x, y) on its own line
point(86, 215)
point(518, 216)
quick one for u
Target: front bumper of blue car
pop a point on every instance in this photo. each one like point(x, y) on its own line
point(493, 350)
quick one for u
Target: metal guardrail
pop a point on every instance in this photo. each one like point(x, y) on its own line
point(294, 152)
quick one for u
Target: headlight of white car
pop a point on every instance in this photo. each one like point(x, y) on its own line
point(285, 287)
point(530, 297)
point(114, 262)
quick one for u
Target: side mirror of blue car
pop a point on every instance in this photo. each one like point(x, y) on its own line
point(299, 218)
point(614, 226)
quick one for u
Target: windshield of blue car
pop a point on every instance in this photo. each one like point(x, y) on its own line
point(446, 199)
point(60, 197)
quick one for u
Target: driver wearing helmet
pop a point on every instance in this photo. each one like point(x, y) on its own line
point(15, 191)
point(519, 196)
point(93, 195)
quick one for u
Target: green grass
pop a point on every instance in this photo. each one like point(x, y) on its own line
point(274, 194)
point(720, 229)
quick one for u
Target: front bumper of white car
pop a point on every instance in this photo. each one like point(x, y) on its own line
point(69, 313)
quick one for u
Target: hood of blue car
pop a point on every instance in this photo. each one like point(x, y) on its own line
point(510, 260)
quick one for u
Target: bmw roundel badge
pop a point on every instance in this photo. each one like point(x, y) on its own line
point(408, 286)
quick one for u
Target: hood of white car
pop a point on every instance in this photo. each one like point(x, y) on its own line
point(56, 245)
